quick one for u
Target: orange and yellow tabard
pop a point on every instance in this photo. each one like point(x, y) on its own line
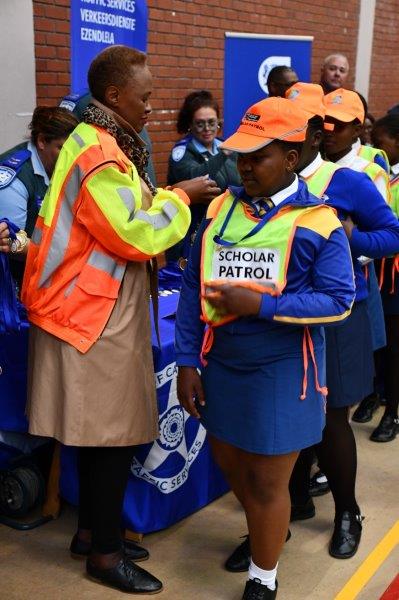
point(90, 225)
point(255, 260)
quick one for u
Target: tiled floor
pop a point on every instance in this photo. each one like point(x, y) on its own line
point(188, 557)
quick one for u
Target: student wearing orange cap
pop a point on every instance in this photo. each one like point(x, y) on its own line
point(268, 260)
point(348, 345)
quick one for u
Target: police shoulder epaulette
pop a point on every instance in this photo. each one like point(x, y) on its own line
point(11, 165)
point(180, 147)
point(70, 101)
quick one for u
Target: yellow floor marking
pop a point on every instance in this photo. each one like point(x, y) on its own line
point(370, 565)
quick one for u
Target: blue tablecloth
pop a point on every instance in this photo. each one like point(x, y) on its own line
point(175, 476)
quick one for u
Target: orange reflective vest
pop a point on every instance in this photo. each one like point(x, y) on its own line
point(90, 224)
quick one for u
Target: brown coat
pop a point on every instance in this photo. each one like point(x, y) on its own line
point(107, 396)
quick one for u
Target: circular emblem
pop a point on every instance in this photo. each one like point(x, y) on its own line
point(178, 152)
point(171, 428)
point(6, 176)
point(166, 463)
point(267, 65)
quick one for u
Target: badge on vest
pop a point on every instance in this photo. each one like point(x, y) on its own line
point(178, 152)
point(6, 176)
point(257, 265)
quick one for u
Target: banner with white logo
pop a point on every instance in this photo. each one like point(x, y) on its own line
point(248, 60)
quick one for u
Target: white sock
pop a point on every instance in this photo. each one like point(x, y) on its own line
point(267, 578)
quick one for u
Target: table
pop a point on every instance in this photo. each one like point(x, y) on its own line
point(174, 476)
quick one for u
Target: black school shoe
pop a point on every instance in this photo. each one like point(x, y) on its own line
point(346, 537)
point(239, 560)
point(387, 429)
point(254, 590)
point(126, 577)
point(318, 485)
point(301, 512)
point(132, 551)
point(365, 410)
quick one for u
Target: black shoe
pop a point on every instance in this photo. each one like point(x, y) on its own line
point(239, 560)
point(125, 576)
point(318, 485)
point(365, 410)
point(346, 537)
point(387, 429)
point(301, 512)
point(254, 590)
point(132, 551)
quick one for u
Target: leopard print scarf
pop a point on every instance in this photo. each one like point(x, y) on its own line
point(130, 144)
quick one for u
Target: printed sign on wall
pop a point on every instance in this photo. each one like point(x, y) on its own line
point(96, 24)
point(249, 58)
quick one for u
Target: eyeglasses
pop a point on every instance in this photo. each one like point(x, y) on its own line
point(202, 124)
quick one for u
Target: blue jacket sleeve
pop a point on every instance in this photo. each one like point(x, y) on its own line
point(376, 232)
point(332, 290)
point(14, 203)
point(189, 327)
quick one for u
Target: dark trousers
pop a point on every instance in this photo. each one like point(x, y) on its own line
point(103, 475)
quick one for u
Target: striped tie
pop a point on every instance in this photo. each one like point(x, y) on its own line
point(264, 205)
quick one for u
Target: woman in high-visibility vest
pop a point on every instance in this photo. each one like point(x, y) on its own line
point(86, 292)
point(385, 135)
point(269, 260)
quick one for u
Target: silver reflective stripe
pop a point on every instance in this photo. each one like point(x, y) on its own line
point(127, 198)
point(62, 230)
point(78, 139)
point(160, 221)
point(71, 287)
point(105, 263)
point(36, 236)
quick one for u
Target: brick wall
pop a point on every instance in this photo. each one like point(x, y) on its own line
point(186, 47)
point(384, 79)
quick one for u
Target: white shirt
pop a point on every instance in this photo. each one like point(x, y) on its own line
point(312, 167)
point(353, 161)
point(278, 197)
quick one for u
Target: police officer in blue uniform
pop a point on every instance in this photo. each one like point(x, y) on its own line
point(26, 169)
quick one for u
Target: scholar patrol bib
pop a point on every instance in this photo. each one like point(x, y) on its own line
point(246, 251)
point(320, 180)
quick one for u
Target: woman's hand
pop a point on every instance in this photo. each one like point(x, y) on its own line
point(348, 226)
point(233, 299)
point(200, 190)
point(4, 238)
point(189, 390)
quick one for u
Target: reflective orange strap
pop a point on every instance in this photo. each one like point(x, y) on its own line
point(207, 344)
point(366, 272)
point(395, 269)
point(307, 342)
point(381, 280)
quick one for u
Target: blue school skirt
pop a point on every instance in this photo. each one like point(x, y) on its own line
point(375, 311)
point(349, 359)
point(252, 385)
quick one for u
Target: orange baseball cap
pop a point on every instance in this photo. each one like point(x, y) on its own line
point(344, 105)
point(268, 120)
point(308, 96)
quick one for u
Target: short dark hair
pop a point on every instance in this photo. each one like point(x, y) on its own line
point(316, 123)
point(390, 123)
point(53, 122)
point(191, 103)
point(287, 146)
point(276, 72)
point(113, 66)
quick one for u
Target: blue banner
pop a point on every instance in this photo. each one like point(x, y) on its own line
point(96, 24)
point(248, 61)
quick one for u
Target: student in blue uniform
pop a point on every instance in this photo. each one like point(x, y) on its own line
point(268, 261)
point(26, 169)
point(372, 231)
point(385, 135)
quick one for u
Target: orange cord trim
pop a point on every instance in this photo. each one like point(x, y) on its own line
point(307, 343)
